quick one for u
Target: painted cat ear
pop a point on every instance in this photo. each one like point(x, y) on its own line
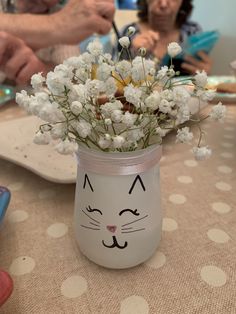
point(138, 178)
point(86, 180)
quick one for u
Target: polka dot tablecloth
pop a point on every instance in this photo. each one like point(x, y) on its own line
point(193, 271)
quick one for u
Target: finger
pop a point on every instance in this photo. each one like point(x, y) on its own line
point(25, 74)
point(154, 35)
point(102, 26)
point(192, 60)
point(106, 10)
point(204, 56)
point(189, 68)
point(14, 65)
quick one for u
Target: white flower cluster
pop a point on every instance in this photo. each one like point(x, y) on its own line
point(91, 100)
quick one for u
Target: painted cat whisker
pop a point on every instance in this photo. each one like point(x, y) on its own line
point(134, 221)
point(133, 230)
point(127, 228)
point(90, 227)
point(90, 217)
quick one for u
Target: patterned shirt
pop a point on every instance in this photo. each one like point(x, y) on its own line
point(187, 29)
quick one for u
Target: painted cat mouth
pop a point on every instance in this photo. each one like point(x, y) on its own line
point(115, 244)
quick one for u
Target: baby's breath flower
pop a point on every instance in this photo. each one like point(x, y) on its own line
point(76, 107)
point(42, 138)
point(123, 68)
point(104, 142)
point(118, 141)
point(218, 112)
point(183, 135)
point(131, 31)
point(93, 101)
point(200, 79)
point(95, 48)
point(37, 81)
point(124, 42)
point(66, 147)
point(142, 51)
point(201, 153)
point(174, 49)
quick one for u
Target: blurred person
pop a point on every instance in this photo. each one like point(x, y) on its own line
point(76, 21)
point(164, 21)
point(18, 60)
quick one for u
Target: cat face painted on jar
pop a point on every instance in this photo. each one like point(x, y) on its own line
point(133, 218)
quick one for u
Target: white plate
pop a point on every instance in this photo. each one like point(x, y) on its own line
point(224, 97)
point(17, 146)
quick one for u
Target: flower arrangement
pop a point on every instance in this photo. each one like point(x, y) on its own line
point(115, 106)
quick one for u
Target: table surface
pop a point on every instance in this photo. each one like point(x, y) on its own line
point(193, 270)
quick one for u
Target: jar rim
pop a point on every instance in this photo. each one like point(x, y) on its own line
point(119, 163)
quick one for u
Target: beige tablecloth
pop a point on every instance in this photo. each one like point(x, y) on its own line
point(193, 270)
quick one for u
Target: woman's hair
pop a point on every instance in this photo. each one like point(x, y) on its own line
point(182, 16)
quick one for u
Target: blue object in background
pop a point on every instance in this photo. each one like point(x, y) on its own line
point(5, 197)
point(6, 93)
point(204, 41)
point(127, 4)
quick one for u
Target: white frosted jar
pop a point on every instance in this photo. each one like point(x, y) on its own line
point(118, 216)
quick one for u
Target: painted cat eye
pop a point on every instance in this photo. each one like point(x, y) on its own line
point(89, 209)
point(134, 212)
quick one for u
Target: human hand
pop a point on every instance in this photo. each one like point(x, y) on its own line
point(80, 19)
point(147, 40)
point(36, 6)
point(17, 60)
point(192, 64)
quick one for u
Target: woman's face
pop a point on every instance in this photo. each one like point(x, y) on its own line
point(162, 13)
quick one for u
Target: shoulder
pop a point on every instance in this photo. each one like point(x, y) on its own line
point(190, 28)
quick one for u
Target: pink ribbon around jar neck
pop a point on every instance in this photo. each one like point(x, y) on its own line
point(119, 163)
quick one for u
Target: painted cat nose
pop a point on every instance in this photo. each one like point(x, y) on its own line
point(112, 228)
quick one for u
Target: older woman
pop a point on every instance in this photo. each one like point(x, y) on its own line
point(164, 21)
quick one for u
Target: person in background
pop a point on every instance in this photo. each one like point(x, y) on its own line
point(76, 21)
point(18, 60)
point(164, 21)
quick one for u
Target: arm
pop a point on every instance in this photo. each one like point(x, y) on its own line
point(75, 22)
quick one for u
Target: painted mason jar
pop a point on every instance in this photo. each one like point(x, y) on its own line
point(118, 216)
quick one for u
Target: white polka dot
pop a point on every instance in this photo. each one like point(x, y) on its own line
point(223, 186)
point(190, 163)
point(218, 236)
point(227, 145)
point(227, 155)
point(45, 194)
point(22, 265)
point(74, 287)
point(229, 128)
point(225, 169)
point(213, 276)
point(177, 199)
point(15, 186)
point(185, 179)
point(18, 216)
point(169, 224)
point(157, 260)
point(228, 136)
point(221, 208)
point(134, 305)
point(57, 230)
